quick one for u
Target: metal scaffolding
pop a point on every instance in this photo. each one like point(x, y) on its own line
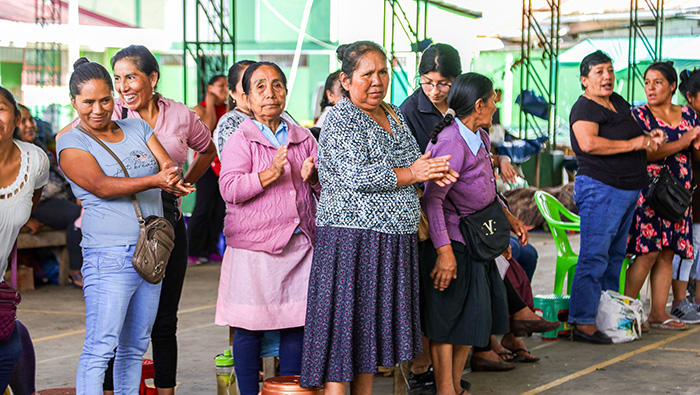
point(412, 32)
point(634, 74)
point(211, 57)
point(45, 69)
point(533, 34)
point(417, 33)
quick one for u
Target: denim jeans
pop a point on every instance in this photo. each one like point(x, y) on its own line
point(10, 350)
point(120, 309)
point(606, 215)
point(525, 255)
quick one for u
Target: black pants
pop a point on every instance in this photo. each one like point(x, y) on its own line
point(207, 219)
point(515, 304)
point(163, 335)
point(57, 213)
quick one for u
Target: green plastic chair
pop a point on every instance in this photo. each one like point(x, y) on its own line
point(553, 212)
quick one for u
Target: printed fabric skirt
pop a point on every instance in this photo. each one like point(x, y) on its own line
point(362, 309)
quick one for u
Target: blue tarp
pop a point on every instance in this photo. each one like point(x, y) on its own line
point(520, 151)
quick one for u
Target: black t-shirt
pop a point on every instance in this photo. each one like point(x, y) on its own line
point(627, 170)
point(421, 116)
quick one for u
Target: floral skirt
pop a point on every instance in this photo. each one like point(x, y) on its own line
point(650, 233)
point(362, 309)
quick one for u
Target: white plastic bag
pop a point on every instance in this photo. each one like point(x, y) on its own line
point(619, 317)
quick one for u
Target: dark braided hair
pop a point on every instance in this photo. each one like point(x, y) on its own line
point(466, 90)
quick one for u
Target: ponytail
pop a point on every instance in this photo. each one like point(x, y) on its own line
point(444, 122)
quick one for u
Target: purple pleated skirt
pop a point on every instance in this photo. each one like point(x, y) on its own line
point(362, 310)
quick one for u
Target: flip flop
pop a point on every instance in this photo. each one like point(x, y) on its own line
point(523, 358)
point(513, 356)
point(666, 325)
point(73, 279)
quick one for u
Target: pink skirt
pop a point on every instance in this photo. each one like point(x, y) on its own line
point(263, 291)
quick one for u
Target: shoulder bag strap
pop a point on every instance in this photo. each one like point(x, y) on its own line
point(13, 257)
point(652, 119)
point(125, 111)
point(386, 107)
point(135, 202)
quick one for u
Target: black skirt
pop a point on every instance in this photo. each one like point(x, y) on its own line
point(474, 305)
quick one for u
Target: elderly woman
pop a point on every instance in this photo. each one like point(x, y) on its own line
point(24, 170)
point(654, 239)
point(458, 287)
point(270, 185)
point(611, 150)
point(363, 291)
point(120, 305)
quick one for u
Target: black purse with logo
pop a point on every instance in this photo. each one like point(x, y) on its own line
point(486, 232)
point(667, 196)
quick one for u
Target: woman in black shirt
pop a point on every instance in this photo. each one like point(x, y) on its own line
point(612, 153)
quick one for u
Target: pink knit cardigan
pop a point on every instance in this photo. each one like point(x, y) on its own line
point(264, 219)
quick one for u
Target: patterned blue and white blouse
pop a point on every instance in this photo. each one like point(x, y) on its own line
point(356, 161)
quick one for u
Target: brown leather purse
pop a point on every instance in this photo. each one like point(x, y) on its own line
point(156, 234)
point(9, 299)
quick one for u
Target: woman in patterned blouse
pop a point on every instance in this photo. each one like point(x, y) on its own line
point(362, 309)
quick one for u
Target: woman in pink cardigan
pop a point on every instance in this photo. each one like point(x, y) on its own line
point(269, 183)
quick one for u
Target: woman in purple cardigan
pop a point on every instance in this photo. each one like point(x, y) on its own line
point(269, 183)
point(464, 300)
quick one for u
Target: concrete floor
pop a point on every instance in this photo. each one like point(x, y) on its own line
point(663, 362)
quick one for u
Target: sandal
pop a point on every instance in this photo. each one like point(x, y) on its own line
point(73, 279)
point(669, 324)
point(509, 356)
point(524, 358)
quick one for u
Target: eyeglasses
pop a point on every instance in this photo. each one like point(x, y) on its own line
point(428, 86)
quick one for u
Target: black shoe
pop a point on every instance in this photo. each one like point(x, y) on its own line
point(597, 338)
point(422, 384)
point(465, 384)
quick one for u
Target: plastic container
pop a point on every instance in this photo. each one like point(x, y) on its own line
point(287, 385)
point(225, 377)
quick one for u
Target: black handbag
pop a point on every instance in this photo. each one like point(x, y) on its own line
point(666, 195)
point(486, 232)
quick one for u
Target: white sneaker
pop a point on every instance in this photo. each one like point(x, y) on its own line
point(686, 312)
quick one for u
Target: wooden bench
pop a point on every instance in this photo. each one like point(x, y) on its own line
point(48, 238)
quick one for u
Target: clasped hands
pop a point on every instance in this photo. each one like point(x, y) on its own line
point(170, 180)
point(433, 169)
point(308, 168)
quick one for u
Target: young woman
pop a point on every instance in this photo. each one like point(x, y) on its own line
point(120, 306)
point(24, 170)
point(653, 239)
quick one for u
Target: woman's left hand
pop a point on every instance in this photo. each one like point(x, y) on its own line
point(450, 177)
point(308, 171)
point(180, 188)
point(518, 227)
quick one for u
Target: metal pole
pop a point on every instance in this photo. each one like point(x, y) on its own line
point(393, 56)
point(184, 50)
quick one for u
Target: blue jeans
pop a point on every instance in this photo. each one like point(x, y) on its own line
point(120, 308)
point(525, 255)
point(606, 216)
point(10, 350)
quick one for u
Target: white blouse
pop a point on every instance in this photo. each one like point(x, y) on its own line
point(16, 198)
